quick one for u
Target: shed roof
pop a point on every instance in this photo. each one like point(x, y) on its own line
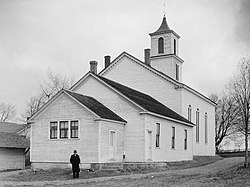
point(10, 127)
point(145, 101)
point(13, 140)
point(95, 106)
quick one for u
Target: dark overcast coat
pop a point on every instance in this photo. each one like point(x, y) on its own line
point(75, 161)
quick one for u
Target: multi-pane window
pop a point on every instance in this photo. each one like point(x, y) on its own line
point(160, 45)
point(197, 125)
point(185, 139)
point(157, 142)
point(173, 138)
point(189, 112)
point(177, 72)
point(64, 129)
point(53, 130)
point(205, 127)
point(74, 129)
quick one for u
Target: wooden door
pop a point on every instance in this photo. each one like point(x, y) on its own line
point(112, 144)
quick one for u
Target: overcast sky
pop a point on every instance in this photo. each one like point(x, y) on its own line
point(64, 35)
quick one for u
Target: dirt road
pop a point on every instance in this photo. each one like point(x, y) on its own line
point(185, 177)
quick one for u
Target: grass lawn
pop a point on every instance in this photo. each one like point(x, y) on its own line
point(66, 174)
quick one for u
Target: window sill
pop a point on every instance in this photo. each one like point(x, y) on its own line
point(64, 139)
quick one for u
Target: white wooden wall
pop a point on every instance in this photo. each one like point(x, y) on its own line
point(165, 152)
point(135, 76)
point(43, 149)
point(119, 129)
point(200, 148)
point(134, 130)
point(12, 158)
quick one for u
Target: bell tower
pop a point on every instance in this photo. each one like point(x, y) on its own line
point(164, 51)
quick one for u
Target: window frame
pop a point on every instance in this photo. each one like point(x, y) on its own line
point(206, 132)
point(161, 45)
point(68, 131)
point(173, 138)
point(175, 46)
point(189, 113)
point(56, 130)
point(76, 131)
point(177, 72)
point(197, 126)
point(185, 138)
point(157, 135)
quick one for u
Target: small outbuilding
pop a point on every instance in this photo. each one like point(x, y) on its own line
point(12, 151)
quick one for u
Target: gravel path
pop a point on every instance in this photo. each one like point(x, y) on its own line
point(127, 180)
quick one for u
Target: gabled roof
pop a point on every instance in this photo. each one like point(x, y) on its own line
point(13, 140)
point(157, 72)
point(95, 106)
point(10, 127)
point(164, 28)
point(145, 101)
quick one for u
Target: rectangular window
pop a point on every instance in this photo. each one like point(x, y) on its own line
point(205, 127)
point(64, 129)
point(173, 137)
point(177, 72)
point(74, 129)
point(185, 139)
point(53, 130)
point(197, 126)
point(157, 142)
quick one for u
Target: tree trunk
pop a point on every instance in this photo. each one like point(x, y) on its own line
point(246, 149)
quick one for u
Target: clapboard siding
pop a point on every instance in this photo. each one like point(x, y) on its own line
point(200, 148)
point(44, 149)
point(133, 75)
point(165, 152)
point(12, 158)
point(134, 140)
point(105, 128)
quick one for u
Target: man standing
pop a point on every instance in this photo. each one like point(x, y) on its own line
point(75, 161)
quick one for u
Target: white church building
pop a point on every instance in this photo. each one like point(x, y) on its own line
point(131, 111)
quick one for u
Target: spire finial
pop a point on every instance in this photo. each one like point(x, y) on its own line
point(164, 9)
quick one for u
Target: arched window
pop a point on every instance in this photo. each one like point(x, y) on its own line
point(197, 125)
point(189, 112)
point(206, 128)
point(174, 46)
point(160, 45)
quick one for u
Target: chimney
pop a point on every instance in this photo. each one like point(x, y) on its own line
point(93, 66)
point(147, 56)
point(107, 60)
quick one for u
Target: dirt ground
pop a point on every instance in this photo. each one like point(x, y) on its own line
point(224, 172)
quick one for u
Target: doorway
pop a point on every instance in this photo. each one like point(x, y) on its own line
point(112, 145)
point(149, 146)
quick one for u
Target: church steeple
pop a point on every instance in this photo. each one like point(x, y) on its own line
point(164, 51)
point(163, 28)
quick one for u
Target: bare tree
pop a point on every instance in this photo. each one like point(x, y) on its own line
point(239, 89)
point(226, 113)
point(47, 89)
point(7, 112)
